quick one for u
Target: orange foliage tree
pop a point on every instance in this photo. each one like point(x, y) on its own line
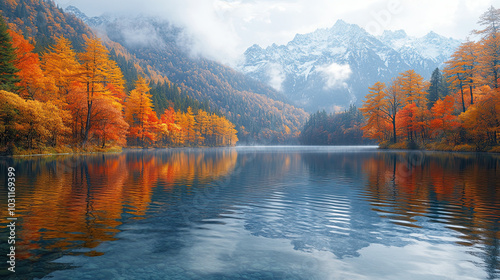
point(99, 76)
point(60, 64)
point(33, 82)
point(374, 110)
point(140, 115)
point(443, 122)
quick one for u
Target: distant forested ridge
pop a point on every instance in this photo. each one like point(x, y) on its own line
point(343, 128)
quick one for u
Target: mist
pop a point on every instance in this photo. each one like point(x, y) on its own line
point(223, 29)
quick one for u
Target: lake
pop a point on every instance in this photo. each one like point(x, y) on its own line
point(255, 213)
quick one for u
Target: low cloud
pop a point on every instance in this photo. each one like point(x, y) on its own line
point(276, 76)
point(335, 75)
point(223, 29)
point(140, 35)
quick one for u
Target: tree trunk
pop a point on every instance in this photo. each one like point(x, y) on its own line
point(471, 96)
point(90, 95)
point(462, 92)
point(394, 129)
point(87, 124)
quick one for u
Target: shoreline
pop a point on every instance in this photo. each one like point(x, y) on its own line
point(496, 150)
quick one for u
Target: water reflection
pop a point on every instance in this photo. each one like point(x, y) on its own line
point(276, 212)
point(460, 192)
point(77, 202)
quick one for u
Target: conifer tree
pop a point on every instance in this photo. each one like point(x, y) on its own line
point(435, 87)
point(8, 77)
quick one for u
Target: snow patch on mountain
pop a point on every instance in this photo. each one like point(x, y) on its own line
point(333, 67)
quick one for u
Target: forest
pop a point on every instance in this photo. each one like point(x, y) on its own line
point(342, 128)
point(260, 114)
point(458, 109)
point(64, 100)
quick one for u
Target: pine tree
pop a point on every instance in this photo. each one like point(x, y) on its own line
point(8, 77)
point(435, 87)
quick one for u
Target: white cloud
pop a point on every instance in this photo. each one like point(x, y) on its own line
point(276, 76)
point(223, 29)
point(335, 75)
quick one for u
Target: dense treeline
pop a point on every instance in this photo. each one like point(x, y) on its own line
point(65, 100)
point(462, 113)
point(342, 128)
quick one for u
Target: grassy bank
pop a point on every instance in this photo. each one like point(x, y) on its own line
point(15, 151)
point(438, 147)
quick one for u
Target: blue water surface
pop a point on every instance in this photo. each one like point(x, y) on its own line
point(258, 213)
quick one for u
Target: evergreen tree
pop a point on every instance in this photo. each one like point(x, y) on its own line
point(435, 87)
point(445, 87)
point(8, 77)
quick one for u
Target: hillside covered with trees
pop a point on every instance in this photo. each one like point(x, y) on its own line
point(261, 114)
point(176, 82)
point(461, 113)
point(65, 100)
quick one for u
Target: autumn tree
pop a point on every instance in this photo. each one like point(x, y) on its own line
point(490, 46)
point(29, 123)
point(168, 130)
point(140, 115)
point(412, 87)
point(109, 122)
point(381, 107)
point(187, 122)
point(443, 119)
point(99, 76)
point(462, 69)
point(375, 111)
point(395, 100)
point(60, 64)
point(224, 131)
point(8, 72)
point(203, 126)
point(32, 81)
point(482, 121)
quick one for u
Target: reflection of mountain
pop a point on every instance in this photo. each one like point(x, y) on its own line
point(319, 208)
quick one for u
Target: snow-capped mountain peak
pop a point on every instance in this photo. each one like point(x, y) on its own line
point(334, 67)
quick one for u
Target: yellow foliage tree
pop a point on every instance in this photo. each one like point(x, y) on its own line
point(140, 115)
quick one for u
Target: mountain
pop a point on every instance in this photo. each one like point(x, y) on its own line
point(260, 113)
point(42, 21)
point(332, 68)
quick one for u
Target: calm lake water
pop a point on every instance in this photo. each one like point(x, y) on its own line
point(255, 213)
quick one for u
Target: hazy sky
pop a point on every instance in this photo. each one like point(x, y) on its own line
point(223, 29)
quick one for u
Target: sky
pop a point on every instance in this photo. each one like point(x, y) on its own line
point(224, 29)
